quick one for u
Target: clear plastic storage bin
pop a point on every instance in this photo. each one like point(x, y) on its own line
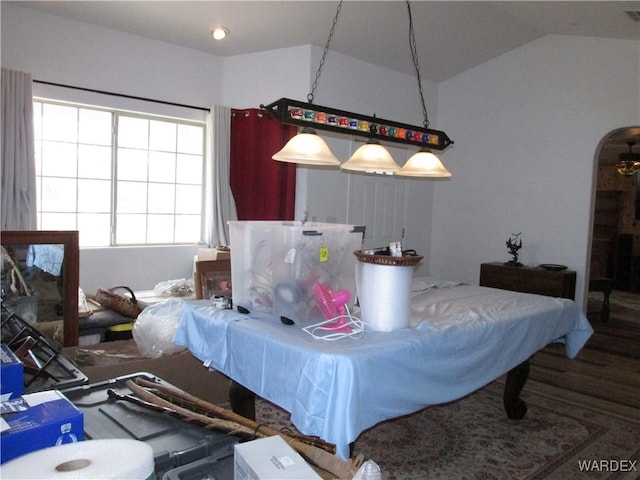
point(275, 265)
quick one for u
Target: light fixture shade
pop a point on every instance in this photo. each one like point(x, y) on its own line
point(307, 148)
point(371, 158)
point(424, 164)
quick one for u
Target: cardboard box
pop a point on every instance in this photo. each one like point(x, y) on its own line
point(217, 253)
point(36, 421)
point(11, 374)
point(275, 265)
point(270, 458)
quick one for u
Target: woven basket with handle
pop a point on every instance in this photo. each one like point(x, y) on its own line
point(404, 261)
point(125, 306)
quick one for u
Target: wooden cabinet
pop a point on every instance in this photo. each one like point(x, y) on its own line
point(529, 279)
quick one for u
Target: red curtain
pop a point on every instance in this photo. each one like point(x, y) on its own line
point(264, 189)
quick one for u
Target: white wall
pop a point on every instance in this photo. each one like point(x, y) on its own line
point(137, 268)
point(64, 51)
point(254, 79)
point(527, 126)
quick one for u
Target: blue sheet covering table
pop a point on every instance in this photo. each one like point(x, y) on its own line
point(461, 339)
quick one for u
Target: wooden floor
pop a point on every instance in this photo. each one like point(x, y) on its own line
point(605, 374)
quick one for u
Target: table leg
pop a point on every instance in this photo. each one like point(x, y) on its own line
point(243, 400)
point(516, 378)
point(606, 305)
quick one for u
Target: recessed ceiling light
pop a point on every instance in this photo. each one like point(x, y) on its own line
point(219, 32)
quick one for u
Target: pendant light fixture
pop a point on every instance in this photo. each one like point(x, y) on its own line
point(423, 163)
point(308, 148)
point(371, 158)
point(629, 162)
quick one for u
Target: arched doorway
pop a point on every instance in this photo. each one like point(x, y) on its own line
point(615, 243)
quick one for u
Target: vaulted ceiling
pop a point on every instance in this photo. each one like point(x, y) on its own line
point(451, 36)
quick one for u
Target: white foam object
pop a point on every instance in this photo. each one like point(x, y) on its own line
point(384, 293)
point(107, 459)
point(369, 470)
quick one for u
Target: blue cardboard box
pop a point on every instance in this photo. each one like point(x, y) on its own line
point(11, 374)
point(36, 421)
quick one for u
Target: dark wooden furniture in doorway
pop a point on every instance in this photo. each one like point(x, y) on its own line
point(529, 279)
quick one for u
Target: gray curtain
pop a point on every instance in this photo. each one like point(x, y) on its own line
point(18, 159)
point(221, 206)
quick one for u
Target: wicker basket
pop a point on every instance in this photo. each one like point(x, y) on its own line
point(405, 261)
point(125, 306)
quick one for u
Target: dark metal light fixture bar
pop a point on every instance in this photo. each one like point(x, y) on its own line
point(304, 114)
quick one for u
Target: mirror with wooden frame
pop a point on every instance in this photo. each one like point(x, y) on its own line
point(40, 278)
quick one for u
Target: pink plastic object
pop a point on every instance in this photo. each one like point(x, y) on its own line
point(331, 304)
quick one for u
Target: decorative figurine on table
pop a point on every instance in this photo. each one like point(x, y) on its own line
point(514, 243)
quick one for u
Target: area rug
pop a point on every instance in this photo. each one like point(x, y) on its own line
point(473, 439)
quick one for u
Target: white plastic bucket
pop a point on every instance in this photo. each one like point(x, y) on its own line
point(384, 292)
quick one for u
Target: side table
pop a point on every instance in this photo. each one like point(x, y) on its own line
point(529, 279)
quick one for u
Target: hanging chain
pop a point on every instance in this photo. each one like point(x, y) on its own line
point(414, 55)
point(324, 54)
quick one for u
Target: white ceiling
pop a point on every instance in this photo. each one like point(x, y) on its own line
point(452, 36)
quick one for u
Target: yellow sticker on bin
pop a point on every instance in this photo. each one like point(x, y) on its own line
point(324, 254)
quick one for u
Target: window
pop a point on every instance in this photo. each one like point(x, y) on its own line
point(117, 177)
